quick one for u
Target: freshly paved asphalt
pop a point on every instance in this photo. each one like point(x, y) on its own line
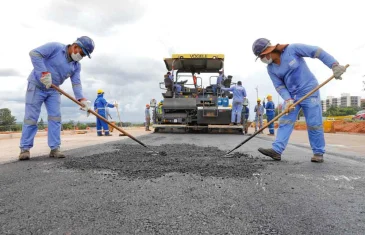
point(119, 188)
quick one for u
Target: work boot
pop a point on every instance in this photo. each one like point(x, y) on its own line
point(271, 134)
point(270, 153)
point(56, 153)
point(317, 158)
point(24, 154)
point(108, 135)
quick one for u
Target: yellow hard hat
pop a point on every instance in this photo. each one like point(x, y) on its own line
point(258, 100)
point(269, 95)
point(100, 91)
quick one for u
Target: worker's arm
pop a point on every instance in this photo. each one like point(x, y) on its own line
point(279, 86)
point(227, 89)
point(109, 105)
point(314, 52)
point(76, 83)
point(244, 94)
point(39, 54)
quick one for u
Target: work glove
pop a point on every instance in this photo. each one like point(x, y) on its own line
point(338, 70)
point(116, 104)
point(87, 106)
point(289, 106)
point(46, 79)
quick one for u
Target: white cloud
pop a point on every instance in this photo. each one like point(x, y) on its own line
point(133, 37)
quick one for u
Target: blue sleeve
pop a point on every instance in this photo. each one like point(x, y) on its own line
point(95, 104)
point(227, 89)
point(38, 55)
point(109, 105)
point(76, 83)
point(267, 106)
point(303, 50)
point(244, 92)
point(279, 86)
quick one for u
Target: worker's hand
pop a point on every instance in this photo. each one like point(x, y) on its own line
point(116, 104)
point(289, 106)
point(338, 70)
point(46, 79)
point(87, 106)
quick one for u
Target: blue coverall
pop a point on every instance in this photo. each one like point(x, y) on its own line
point(245, 114)
point(239, 93)
point(219, 84)
point(51, 57)
point(101, 104)
point(147, 116)
point(292, 80)
point(177, 86)
point(259, 110)
point(270, 113)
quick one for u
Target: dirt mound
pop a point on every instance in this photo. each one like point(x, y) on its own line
point(351, 127)
point(339, 126)
point(135, 162)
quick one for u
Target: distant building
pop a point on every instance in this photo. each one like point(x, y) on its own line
point(324, 106)
point(346, 100)
point(362, 103)
point(350, 101)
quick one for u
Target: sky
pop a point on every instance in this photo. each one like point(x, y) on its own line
point(133, 36)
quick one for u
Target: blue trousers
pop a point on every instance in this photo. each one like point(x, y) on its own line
point(271, 126)
point(313, 115)
point(34, 99)
point(258, 122)
point(177, 88)
point(100, 124)
point(236, 110)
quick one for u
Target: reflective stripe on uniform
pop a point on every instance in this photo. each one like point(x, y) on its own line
point(53, 118)
point(315, 128)
point(33, 53)
point(280, 87)
point(30, 122)
point(286, 122)
point(318, 52)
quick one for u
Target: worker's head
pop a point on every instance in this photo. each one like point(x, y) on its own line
point(168, 73)
point(83, 46)
point(258, 101)
point(100, 91)
point(269, 97)
point(147, 106)
point(239, 83)
point(268, 53)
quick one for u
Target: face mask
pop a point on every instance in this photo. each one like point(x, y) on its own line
point(76, 57)
point(266, 61)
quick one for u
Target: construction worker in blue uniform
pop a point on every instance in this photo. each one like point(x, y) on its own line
point(219, 83)
point(239, 93)
point(147, 116)
point(100, 106)
point(292, 79)
point(270, 113)
point(176, 86)
point(52, 63)
point(245, 116)
point(259, 114)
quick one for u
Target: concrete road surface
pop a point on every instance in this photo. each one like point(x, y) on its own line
point(121, 188)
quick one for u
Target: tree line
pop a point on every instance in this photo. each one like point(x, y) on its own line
point(8, 123)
